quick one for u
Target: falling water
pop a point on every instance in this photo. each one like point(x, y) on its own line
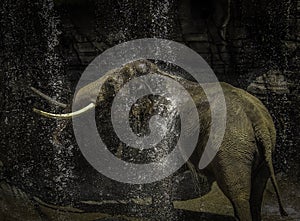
point(160, 18)
point(62, 150)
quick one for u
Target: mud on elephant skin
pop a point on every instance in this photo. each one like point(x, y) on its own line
point(243, 163)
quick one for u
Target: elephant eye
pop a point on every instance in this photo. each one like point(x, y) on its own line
point(109, 87)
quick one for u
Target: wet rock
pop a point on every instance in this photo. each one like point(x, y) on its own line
point(197, 37)
point(1, 170)
point(85, 47)
point(15, 205)
point(111, 219)
point(272, 81)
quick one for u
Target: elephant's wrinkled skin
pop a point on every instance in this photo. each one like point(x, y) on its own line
point(243, 163)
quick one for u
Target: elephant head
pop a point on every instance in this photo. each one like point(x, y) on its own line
point(100, 90)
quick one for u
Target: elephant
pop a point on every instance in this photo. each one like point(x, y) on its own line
point(243, 163)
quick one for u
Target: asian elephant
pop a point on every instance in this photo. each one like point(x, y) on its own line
point(243, 163)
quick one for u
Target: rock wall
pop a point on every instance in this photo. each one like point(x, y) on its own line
point(256, 45)
point(49, 46)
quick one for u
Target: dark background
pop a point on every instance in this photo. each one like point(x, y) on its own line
point(48, 44)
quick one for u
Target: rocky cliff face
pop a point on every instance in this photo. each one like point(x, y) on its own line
point(260, 51)
point(48, 46)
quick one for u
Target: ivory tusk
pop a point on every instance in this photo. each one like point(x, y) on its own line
point(65, 116)
point(51, 100)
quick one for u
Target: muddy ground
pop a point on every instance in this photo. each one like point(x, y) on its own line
point(15, 205)
point(216, 203)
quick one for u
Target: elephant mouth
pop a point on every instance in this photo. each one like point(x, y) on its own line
point(60, 116)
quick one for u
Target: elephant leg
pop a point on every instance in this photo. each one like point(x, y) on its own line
point(259, 182)
point(235, 182)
